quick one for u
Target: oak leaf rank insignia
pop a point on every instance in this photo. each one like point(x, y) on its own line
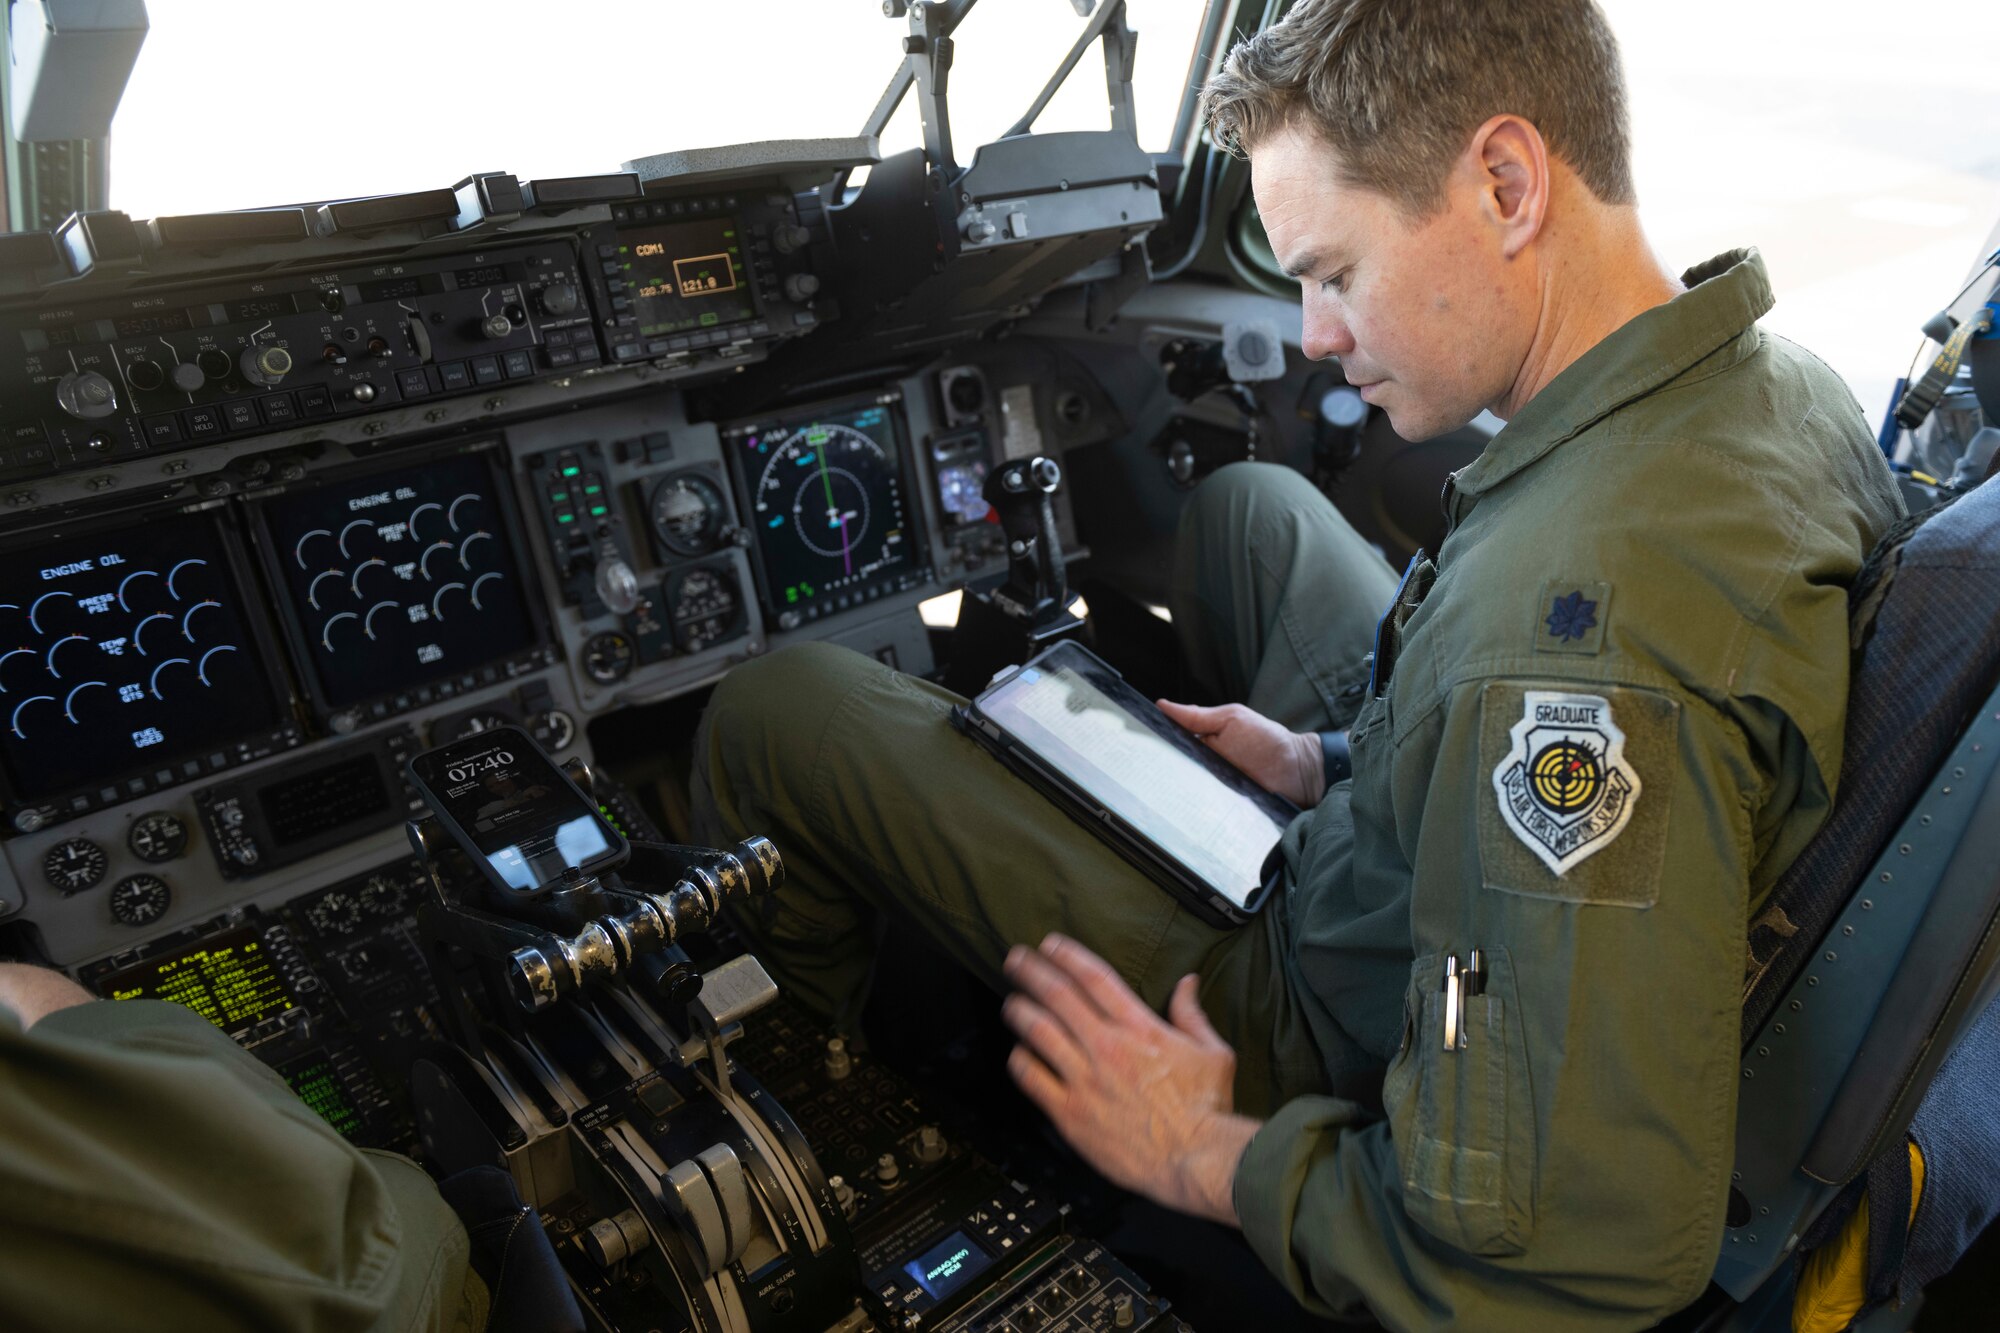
point(1565, 788)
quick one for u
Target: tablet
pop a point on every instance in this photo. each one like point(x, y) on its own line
point(1110, 758)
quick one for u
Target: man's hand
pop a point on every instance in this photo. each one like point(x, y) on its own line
point(35, 992)
point(1146, 1101)
point(1285, 763)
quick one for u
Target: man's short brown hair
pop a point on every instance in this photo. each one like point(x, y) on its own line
point(1396, 87)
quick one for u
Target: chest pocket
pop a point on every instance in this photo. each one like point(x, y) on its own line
point(1410, 594)
point(1463, 1119)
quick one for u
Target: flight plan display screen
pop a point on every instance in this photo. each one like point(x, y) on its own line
point(122, 651)
point(685, 275)
point(825, 497)
point(399, 579)
point(229, 979)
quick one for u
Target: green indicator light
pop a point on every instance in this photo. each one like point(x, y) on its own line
point(592, 490)
point(571, 471)
point(559, 496)
point(597, 511)
point(565, 518)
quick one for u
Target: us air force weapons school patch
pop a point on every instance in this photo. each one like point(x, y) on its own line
point(1565, 788)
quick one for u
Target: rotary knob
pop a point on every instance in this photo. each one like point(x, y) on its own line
point(496, 326)
point(789, 238)
point(215, 363)
point(86, 395)
point(801, 287)
point(618, 586)
point(187, 377)
point(559, 299)
point(265, 365)
point(145, 376)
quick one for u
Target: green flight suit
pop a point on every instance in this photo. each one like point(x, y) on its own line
point(157, 1176)
point(1608, 716)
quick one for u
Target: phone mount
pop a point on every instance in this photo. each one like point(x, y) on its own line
point(581, 930)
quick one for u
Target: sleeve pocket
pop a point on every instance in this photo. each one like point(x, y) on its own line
point(1463, 1120)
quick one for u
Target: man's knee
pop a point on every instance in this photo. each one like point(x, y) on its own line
point(764, 723)
point(1242, 493)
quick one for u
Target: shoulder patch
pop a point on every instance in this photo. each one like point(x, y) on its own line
point(1565, 787)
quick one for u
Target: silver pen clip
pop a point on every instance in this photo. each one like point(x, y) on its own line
point(1454, 1000)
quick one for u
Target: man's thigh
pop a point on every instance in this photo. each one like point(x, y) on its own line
point(856, 772)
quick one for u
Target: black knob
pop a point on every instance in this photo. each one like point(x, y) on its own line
point(496, 326)
point(790, 237)
point(678, 984)
point(801, 287)
point(215, 363)
point(145, 376)
point(559, 299)
point(187, 377)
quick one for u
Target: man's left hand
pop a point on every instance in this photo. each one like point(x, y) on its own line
point(1147, 1101)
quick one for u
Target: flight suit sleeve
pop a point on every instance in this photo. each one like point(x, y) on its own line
point(158, 1175)
point(1564, 1163)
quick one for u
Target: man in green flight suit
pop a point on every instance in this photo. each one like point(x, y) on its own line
point(1599, 724)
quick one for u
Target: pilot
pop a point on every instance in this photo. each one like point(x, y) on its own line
point(1474, 1066)
point(156, 1175)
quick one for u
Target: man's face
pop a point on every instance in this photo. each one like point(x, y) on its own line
point(1429, 320)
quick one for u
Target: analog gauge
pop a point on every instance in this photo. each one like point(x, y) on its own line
point(554, 730)
point(607, 658)
point(335, 913)
point(687, 514)
point(73, 865)
point(380, 896)
point(704, 606)
point(140, 900)
point(159, 836)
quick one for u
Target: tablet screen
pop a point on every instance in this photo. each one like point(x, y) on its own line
point(1083, 721)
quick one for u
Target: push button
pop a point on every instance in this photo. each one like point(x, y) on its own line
point(240, 414)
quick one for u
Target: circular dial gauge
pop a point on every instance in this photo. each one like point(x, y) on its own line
point(687, 514)
point(73, 865)
point(607, 658)
point(828, 483)
point(705, 607)
point(140, 900)
point(335, 914)
point(469, 724)
point(380, 896)
point(159, 836)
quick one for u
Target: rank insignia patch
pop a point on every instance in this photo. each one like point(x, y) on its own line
point(1570, 616)
point(1565, 788)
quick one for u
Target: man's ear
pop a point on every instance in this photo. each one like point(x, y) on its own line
point(1512, 163)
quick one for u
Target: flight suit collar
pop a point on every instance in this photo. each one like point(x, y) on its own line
point(1724, 297)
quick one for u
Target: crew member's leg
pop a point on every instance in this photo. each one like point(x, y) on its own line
point(1275, 597)
point(877, 803)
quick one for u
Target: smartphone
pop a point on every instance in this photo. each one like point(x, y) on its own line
point(516, 814)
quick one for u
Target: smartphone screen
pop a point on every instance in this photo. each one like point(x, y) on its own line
point(513, 809)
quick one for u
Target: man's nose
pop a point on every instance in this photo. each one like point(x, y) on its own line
point(1325, 333)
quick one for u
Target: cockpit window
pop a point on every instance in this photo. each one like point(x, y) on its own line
point(246, 104)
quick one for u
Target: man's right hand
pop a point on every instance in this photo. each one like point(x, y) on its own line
point(1283, 762)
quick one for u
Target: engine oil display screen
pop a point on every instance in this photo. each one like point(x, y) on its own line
point(825, 496)
point(685, 275)
point(399, 579)
point(122, 652)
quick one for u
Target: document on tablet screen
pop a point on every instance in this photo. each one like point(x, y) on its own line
point(1140, 775)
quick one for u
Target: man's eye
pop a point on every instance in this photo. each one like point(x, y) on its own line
point(1337, 283)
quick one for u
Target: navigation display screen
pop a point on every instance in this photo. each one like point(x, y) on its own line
point(685, 275)
point(519, 812)
point(123, 651)
point(229, 979)
point(825, 497)
point(399, 579)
